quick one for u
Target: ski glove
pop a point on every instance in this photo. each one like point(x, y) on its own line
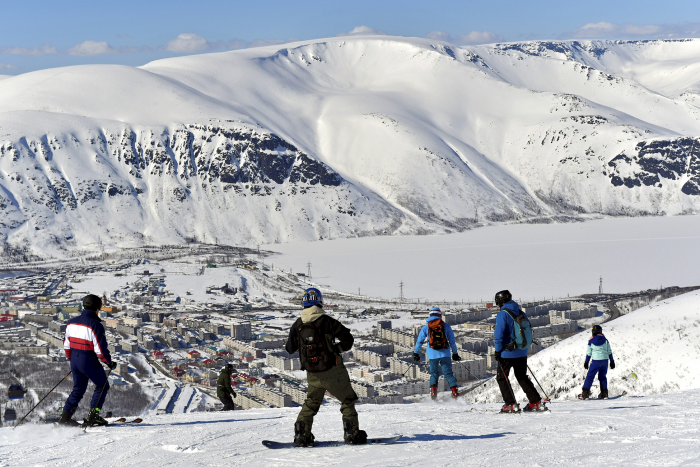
point(612, 364)
point(416, 357)
point(233, 393)
point(497, 355)
point(456, 357)
point(112, 365)
point(337, 349)
point(585, 364)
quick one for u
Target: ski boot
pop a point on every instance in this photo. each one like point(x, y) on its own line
point(67, 419)
point(455, 393)
point(536, 407)
point(433, 392)
point(352, 434)
point(510, 408)
point(603, 394)
point(95, 419)
point(302, 439)
point(585, 394)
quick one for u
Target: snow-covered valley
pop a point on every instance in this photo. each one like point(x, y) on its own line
point(347, 137)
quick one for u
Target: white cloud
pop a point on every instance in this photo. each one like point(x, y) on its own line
point(4, 66)
point(46, 49)
point(363, 31)
point(604, 29)
point(91, 48)
point(474, 37)
point(188, 43)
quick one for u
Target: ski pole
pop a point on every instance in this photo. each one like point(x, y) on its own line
point(538, 383)
point(467, 368)
point(98, 399)
point(42, 400)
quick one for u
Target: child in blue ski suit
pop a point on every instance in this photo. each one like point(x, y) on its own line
point(438, 357)
point(599, 351)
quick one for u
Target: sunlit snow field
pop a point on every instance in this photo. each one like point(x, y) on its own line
point(533, 261)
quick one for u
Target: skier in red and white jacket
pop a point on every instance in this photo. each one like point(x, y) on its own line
point(85, 346)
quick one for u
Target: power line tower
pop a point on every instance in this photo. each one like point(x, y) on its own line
point(600, 286)
point(401, 294)
point(308, 270)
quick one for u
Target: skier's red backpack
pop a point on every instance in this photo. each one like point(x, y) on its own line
point(436, 334)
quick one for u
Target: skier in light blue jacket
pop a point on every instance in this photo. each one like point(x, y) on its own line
point(441, 340)
point(600, 352)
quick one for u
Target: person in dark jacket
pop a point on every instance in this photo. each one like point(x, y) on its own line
point(224, 391)
point(320, 340)
point(508, 357)
point(86, 346)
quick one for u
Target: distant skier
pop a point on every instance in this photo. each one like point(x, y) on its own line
point(85, 346)
point(440, 340)
point(512, 339)
point(314, 335)
point(599, 350)
point(224, 391)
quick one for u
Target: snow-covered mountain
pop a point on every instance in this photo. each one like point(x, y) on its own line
point(655, 351)
point(348, 137)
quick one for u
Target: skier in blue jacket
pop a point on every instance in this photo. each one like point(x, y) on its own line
point(508, 357)
point(599, 350)
point(440, 340)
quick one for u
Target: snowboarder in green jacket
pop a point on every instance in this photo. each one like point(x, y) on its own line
point(320, 341)
point(224, 391)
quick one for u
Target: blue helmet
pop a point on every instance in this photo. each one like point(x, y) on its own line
point(312, 297)
point(435, 311)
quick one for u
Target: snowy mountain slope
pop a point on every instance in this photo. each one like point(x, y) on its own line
point(645, 431)
point(658, 343)
point(347, 137)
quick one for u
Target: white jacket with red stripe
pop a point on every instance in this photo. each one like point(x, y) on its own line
point(86, 333)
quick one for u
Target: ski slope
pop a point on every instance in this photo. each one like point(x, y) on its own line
point(347, 137)
point(643, 431)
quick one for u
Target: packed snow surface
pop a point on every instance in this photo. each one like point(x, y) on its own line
point(348, 137)
point(532, 261)
point(643, 431)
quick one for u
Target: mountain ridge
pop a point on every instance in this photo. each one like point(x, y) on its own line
point(371, 136)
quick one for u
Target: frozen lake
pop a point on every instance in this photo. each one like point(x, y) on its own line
point(533, 261)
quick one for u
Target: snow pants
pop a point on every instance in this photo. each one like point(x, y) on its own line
point(519, 366)
point(227, 400)
point(86, 367)
point(600, 368)
point(446, 364)
point(337, 382)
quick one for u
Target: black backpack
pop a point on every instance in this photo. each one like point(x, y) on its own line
point(314, 352)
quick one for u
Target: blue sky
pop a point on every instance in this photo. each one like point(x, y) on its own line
point(45, 34)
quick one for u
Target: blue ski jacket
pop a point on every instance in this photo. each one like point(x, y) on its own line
point(434, 353)
point(599, 348)
point(503, 333)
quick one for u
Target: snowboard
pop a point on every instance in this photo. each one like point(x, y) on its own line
point(596, 399)
point(329, 444)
